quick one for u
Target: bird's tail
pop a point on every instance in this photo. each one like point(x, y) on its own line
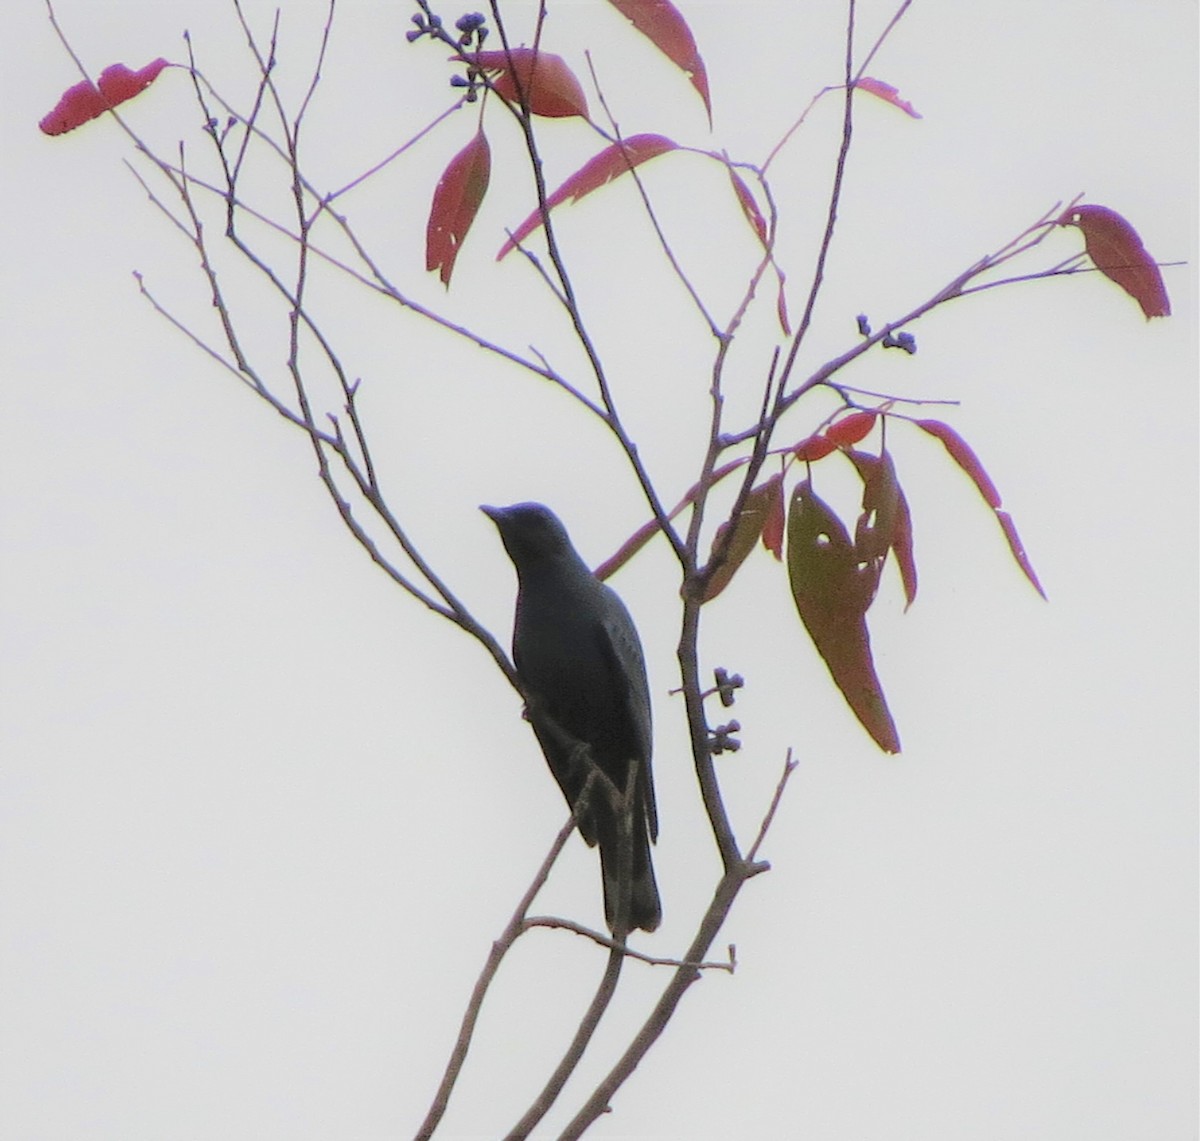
point(640, 899)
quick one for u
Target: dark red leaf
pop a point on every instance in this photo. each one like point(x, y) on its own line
point(960, 451)
point(886, 523)
point(887, 93)
point(84, 102)
point(548, 85)
point(747, 528)
point(902, 548)
point(875, 530)
point(456, 201)
point(661, 23)
point(832, 593)
point(1117, 252)
point(649, 529)
point(851, 429)
point(610, 163)
point(773, 528)
point(814, 448)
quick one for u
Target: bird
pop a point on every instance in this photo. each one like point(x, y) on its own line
point(580, 665)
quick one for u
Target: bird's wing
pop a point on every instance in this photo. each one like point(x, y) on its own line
point(627, 664)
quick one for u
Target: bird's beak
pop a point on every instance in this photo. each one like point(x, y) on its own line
point(495, 514)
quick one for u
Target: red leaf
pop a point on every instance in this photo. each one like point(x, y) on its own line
point(759, 225)
point(966, 459)
point(902, 548)
point(456, 201)
point(832, 594)
point(79, 104)
point(629, 548)
point(850, 430)
point(960, 451)
point(887, 93)
point(661, 23)
point(1117, 252)
point(118, 83)
point(610, 163)
point(781, 310)
point(814, 448)
point(85, 101)
point(1018, 550)
point(548, 85)
point(747, 203)
point(772, 535)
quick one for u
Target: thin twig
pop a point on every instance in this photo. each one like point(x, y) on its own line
point(556, 923)
point(598, 1102)
point(390, 158)
point(688, 972)
point(789, 766)
point(500, 948)
point(831, 216)
point(583, 1035)
point(862, 67)
point(651, 213)
point(613, 420)
point(316, 77)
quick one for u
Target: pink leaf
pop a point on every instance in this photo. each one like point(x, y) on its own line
point(962, 454)
point(759, 224)
point(85, 101)
point(1018, 549)
point(887, 93)
point(610, 163)
point(781, 309)
point(749, 207)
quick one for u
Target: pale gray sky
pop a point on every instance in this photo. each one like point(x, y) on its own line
point(261, 816)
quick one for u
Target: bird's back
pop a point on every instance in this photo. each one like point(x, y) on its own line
point(577, 651)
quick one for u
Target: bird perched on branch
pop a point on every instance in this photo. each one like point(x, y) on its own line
point(581, 667)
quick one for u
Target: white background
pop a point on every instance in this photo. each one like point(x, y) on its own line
point(261, 815)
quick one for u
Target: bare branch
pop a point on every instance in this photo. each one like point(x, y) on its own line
point(555, 923)
point(525, 121)
point(500, 948)
point(899, 15)
point(789, 766)
point(583, 1035)
point(651, 213)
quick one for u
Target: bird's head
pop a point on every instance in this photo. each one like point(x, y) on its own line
point(530, 532)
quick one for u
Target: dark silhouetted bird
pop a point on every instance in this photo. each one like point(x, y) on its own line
point(580, 664)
